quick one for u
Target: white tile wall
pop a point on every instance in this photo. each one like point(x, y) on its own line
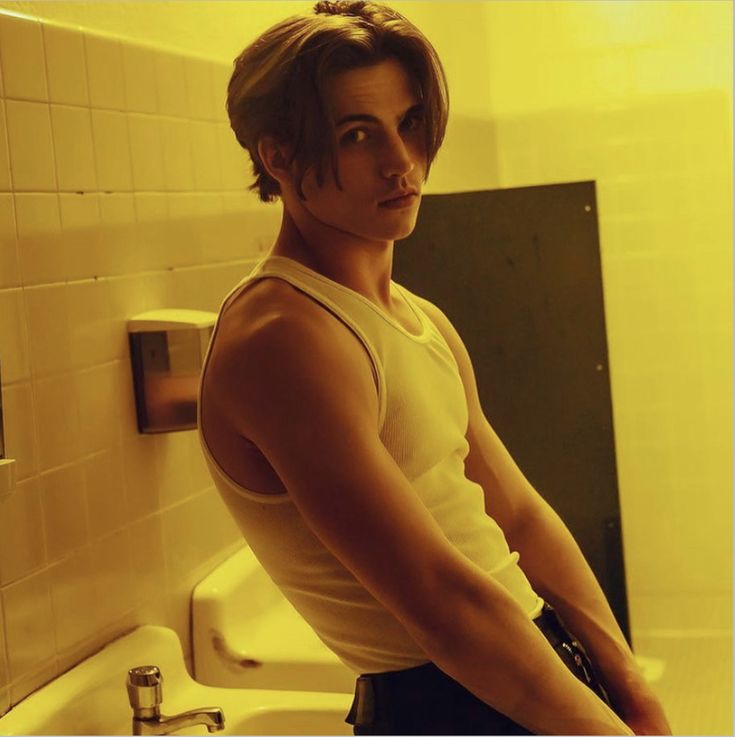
point(4, 165)
point(72, 141)
point(104, 72)
point(4, 675)
point(42, 258)
point(65, 66)
point(31, 146)
point(22, 58)
point(107, 209)
point(29, 625)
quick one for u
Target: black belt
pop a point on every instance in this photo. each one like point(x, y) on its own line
point(379, 692)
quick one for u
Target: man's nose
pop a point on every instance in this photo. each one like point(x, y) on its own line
point(398, 158)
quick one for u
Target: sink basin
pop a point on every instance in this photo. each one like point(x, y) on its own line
point(246, 634)
point(280, 721)
point(91, 699)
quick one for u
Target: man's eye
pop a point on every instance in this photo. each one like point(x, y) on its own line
point(417, 120)
point(349, 137)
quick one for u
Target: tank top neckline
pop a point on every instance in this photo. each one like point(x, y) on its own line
point(421, 337)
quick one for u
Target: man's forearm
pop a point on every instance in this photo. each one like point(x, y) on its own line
point(478, 634)
point(559, 573)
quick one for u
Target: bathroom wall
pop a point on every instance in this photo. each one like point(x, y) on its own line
point(638, 97)
point(122, 189)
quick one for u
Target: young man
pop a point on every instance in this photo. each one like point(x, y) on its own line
point(341, 422)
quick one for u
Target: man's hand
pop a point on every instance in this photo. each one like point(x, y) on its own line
point(643, 712)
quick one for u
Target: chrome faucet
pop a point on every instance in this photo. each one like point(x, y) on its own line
point(145, 694)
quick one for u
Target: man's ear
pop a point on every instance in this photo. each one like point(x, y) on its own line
point(274, 156)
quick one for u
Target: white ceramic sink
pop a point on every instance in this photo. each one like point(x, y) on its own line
point(91, 698)
point(246, 634)
point(281, 722)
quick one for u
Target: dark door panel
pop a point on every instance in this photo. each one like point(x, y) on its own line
point(517, 271)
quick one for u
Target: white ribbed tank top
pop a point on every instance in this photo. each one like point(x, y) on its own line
point(422, 423)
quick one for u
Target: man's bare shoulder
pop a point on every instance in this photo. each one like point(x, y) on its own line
point(274, 317)
point(262, 306)
point(264, 301)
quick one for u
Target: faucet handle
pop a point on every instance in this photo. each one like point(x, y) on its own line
point(145, 690)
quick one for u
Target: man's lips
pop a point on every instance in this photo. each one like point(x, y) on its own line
point(400, 195)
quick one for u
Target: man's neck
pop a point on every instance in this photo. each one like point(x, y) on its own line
point(362, 270)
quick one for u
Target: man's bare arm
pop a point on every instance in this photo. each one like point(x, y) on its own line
point(304, 400)
point(546, 548)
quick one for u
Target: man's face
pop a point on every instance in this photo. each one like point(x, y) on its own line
point(377, 158)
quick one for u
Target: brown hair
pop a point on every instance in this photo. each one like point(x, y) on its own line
point(278, 86)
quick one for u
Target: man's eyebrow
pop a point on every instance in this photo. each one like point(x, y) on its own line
point(418, 107)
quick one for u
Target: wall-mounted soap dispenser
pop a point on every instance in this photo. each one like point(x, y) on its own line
point(167, 350)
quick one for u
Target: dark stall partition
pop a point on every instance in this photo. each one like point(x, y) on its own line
point(517, 271)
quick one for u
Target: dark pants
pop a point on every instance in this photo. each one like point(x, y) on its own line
point(424, 700)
